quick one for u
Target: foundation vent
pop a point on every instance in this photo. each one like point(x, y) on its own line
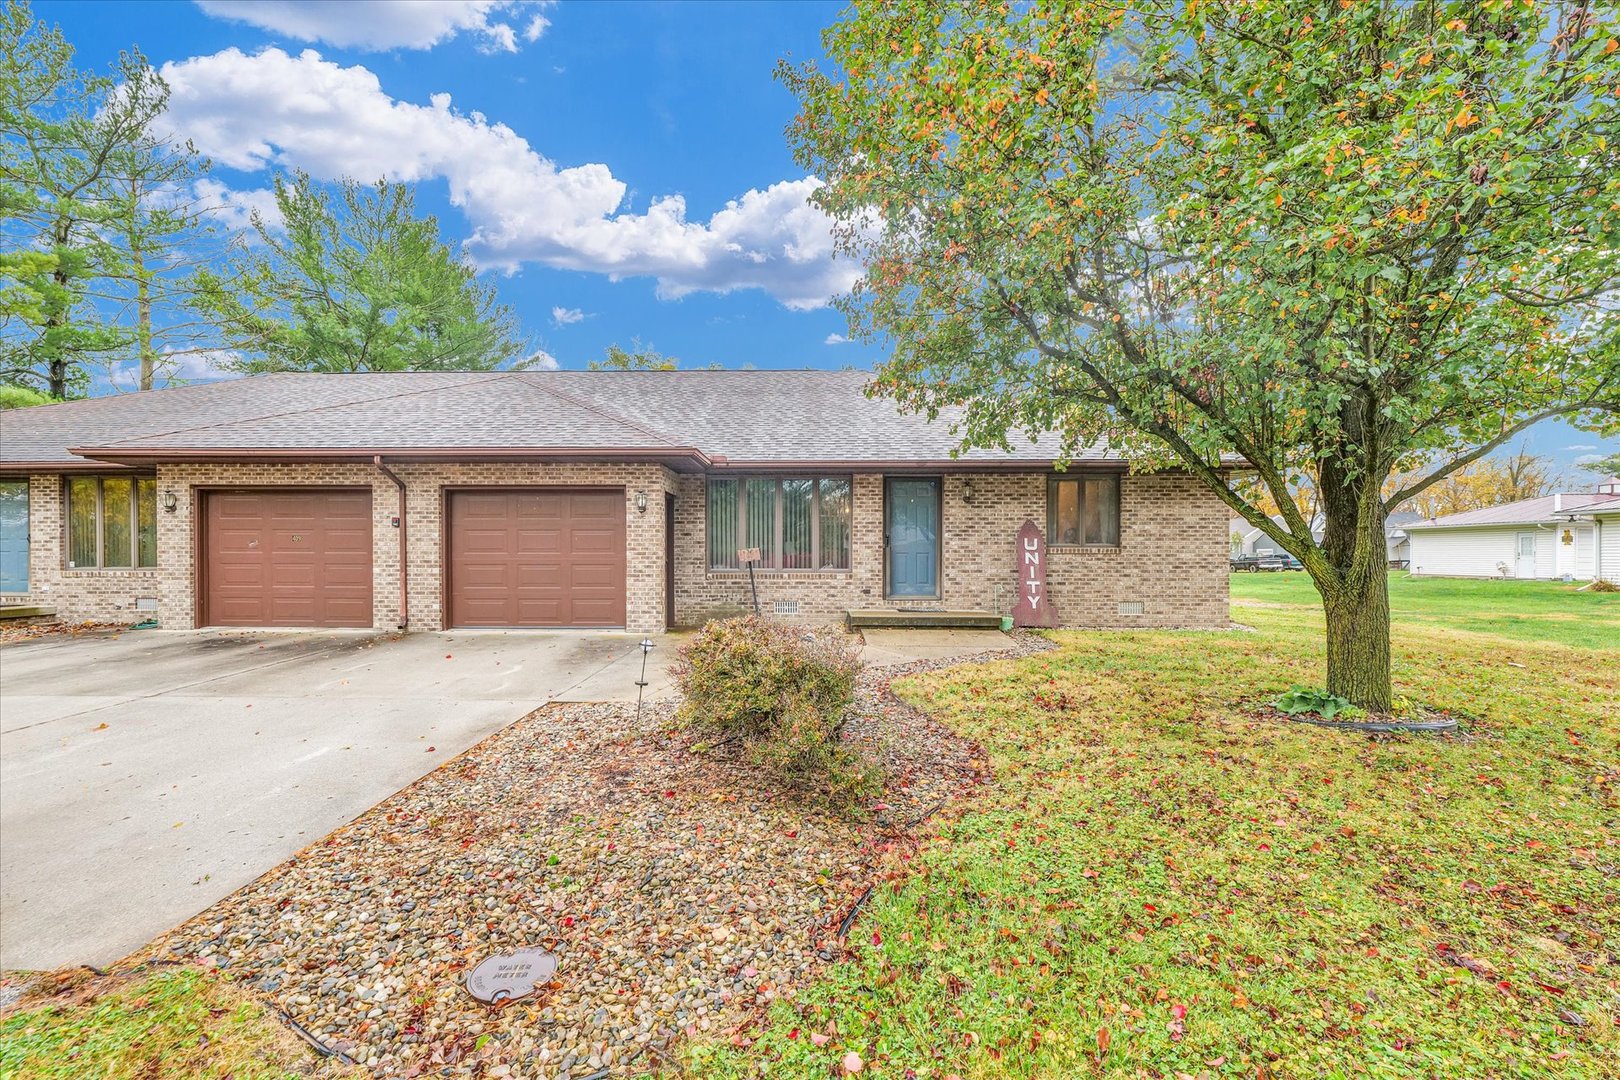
point(1132, 607)
point(785, 607)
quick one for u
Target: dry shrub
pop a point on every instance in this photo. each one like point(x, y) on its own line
point(781, 692)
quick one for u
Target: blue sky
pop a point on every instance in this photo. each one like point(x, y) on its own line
point(554, 139)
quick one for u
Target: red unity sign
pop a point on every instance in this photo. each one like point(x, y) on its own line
point(1031, 607)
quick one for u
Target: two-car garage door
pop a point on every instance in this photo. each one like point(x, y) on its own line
point(521, 557)
point(536, 557)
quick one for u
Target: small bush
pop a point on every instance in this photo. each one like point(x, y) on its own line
point(781, 692)
point(1302, 700)
point(1604, 585)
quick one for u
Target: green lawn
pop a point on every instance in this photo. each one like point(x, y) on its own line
point(1159, 885)
point(180, 1022)
point(1538, 611)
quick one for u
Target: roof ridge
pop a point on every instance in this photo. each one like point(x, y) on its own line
point(493, 375)
point(598, 410)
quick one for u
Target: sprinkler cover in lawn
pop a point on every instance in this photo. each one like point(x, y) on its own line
point(506, 976)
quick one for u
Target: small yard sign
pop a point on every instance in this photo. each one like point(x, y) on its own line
point(1031, 608)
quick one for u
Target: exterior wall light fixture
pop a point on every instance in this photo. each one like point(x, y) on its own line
point(641, 502)
point(171, 502)
point(967, 491)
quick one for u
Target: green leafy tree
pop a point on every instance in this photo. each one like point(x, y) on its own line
point(354, 283)
point(13, 396)
point(1333, 239)
point(61, 132)
point(1607, 467)
point(638, 357)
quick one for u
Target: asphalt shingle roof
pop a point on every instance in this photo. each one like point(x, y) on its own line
point(1523, 512)
point(726, 417)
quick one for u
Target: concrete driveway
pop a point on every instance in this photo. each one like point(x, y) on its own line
point(148, 774)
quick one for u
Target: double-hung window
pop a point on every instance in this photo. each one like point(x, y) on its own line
point(1083, 509)
point(112, 522)
point(796, 522)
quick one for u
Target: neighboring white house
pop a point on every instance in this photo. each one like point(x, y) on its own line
point(1555, 536)
point(1248, 540)
point(1604, 519)
point(1397, 545)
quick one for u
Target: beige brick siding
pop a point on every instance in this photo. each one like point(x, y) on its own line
point(1171, 557)
point(77, 595)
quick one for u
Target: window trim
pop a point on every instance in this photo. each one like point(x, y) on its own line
point(1079, 480)
point(135, 482)
point(768, 561)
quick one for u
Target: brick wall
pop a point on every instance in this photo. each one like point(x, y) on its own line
point(1172, 556)
point(77, 595)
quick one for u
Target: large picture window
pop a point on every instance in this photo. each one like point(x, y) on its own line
point(1083, 510)
point(797, 522)
point(112, 522)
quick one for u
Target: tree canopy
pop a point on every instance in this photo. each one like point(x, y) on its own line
point(1322, 239)
point(71, 144)
point(354, 283)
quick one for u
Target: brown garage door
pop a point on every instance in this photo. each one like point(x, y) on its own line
point(287, 557)
point(536, 557)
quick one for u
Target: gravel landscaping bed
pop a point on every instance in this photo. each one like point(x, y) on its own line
point(679, 890)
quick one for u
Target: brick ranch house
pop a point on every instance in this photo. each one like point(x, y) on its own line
point(607, 499)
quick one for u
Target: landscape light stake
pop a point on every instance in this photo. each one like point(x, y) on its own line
point(641, 683)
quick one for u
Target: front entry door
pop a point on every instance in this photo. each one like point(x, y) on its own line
point(911, 537)
point(1527, 556)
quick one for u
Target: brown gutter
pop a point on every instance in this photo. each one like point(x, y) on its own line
point(404, 549)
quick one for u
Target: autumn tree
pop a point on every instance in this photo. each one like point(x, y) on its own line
point(1487, 482)
point(1323, 239)
point(352, 279)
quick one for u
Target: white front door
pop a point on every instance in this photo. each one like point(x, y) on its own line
point(1526, 564)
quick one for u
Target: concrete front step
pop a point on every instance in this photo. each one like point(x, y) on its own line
point(915, 619)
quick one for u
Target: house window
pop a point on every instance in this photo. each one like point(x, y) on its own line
point(1083, 510)
point(112, 522)
point(13, 536)
point(797, 522)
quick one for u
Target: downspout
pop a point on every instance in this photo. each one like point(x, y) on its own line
point(404, 550)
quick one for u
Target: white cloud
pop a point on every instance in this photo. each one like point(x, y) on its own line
point(543, 360)
point(234, 209)
point(175, 368)
point(1589, 459)
point(273, 109)
point(389, 24)
point(836, 339)
point(566, 316)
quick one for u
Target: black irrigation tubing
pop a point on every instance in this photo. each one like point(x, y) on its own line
point(1416, 727)
point(309, 1037)
point(849, 920)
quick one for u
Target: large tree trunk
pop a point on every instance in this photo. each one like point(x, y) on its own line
point(1358, 638)
point(1355, 597)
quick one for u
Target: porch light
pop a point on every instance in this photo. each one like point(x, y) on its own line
point(171, 502)
point(967, 490)
point(641, 502)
